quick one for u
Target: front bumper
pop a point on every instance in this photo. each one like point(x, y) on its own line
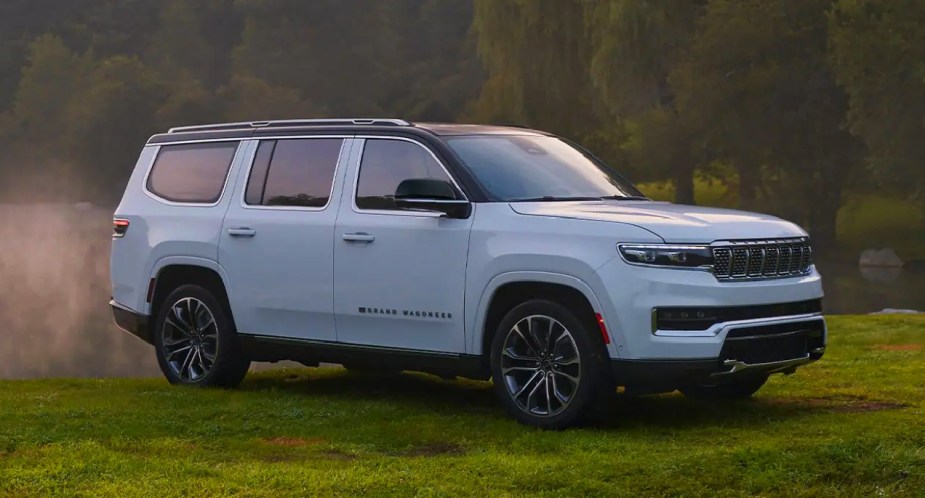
point(633, 292)
point(130, 321)
point(752, 350)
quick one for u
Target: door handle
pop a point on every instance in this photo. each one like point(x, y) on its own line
point(242, 232)
point(359, 237)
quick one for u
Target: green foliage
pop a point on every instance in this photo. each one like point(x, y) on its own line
point(537, 59)
point(768, 104)
point(849, 425)
point(250, 98)
point(878, 49)
point(110, 73)
point(121, 90)
point(50, 79)
point(789, 96)
point(636, 44)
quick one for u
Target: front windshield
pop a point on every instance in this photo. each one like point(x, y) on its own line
point(538, 168)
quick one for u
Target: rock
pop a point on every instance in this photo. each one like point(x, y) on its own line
point(881, 274)
point(896, 311)
point(880, 257)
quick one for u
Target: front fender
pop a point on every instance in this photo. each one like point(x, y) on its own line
point(479, 314)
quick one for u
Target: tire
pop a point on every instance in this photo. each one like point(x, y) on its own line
point(737, 389)
point(194, 349)
point(574, 369)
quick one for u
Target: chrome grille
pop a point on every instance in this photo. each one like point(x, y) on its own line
point(756, 259)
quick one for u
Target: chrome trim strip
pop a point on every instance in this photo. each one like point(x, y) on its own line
point(736, 366)
point(724, 327)
point(116, 304)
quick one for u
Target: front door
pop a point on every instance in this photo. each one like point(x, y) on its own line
point(277, 241)
point(399, 276)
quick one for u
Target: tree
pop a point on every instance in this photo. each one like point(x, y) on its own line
point(758, 85)
point(878, 50)
point(111, 119)
point(195, 39)
point(248, 98)
point(53, 74)
point(538, 58)
point(636, 45)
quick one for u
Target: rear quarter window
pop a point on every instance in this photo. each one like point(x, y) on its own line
point(193, 173)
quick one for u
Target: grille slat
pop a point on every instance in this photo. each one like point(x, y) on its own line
point(773, 256)
point(755, 261)
point(739, 263)
point(721, 262)
point(750, 260)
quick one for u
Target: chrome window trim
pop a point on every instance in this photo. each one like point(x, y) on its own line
point(221, 195)
point(356, 179)
point(247, 178)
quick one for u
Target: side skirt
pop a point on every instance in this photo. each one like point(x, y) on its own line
point(311, 353)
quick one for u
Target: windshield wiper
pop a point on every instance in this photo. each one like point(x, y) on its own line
point(553, 198)
point(624, 198)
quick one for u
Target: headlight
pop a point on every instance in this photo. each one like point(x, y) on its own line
point(675, 256)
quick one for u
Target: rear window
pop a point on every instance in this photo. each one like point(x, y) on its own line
point(192, 173)
point(294, 172)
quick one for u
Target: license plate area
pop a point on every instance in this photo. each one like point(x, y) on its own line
point(774, 343)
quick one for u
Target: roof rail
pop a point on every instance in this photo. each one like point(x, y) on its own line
point(290, 122)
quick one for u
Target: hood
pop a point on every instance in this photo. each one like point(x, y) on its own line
point(671, 222)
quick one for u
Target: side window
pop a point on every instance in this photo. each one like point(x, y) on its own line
point(194, 173)
point(296, 172)
point(387, 163)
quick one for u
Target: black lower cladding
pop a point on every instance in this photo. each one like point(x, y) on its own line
point(772, 343)
point(131, 322)
point(309, 352)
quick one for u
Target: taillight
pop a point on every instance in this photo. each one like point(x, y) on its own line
point(119, 227)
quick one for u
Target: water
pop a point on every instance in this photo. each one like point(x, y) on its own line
point(853, 290)
point(54, 294)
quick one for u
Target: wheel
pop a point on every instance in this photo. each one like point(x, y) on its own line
point(196, 342)
point(737, 389)
point(547, 366)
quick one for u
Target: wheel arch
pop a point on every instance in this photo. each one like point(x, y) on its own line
point(171, 273)
point(509, 289)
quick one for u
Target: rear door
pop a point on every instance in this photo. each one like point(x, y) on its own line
point(278, 236)
point(399, 276)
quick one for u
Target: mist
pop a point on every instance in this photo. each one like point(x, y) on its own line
point(54, 268)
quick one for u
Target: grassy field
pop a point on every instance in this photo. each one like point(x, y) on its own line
point(850, 425)
point(864, 221)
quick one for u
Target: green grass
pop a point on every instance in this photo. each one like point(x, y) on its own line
point(865, 220)
point(850, 425)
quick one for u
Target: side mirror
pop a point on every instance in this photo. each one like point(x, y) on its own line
point(426, 194)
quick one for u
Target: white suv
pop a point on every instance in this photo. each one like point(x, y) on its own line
point(468, 250)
